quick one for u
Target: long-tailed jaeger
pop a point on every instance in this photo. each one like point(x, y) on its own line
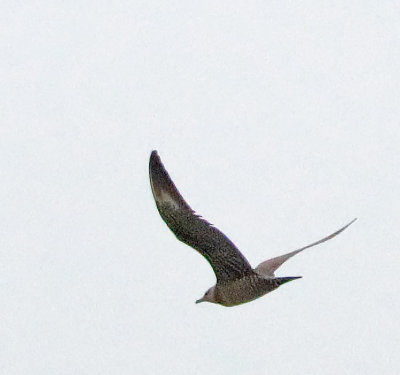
point(237, 281)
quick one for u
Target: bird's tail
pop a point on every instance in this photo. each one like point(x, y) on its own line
point(284, 280)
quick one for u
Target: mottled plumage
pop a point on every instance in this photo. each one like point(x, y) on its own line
point(237, 281)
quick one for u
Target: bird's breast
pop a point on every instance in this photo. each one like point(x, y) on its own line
point(244, 290)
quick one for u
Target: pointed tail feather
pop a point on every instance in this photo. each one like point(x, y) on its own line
point(284, 280)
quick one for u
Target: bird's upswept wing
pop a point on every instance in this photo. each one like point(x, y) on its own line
point(226, 260)
point(268, 267)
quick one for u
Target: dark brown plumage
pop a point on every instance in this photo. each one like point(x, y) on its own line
point(237, 282)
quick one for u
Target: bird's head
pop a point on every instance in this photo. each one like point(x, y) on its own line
point(209, 296)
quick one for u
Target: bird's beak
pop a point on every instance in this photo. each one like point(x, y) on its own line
point(200, 300)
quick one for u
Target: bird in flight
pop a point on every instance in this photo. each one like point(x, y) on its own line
point(237, 281)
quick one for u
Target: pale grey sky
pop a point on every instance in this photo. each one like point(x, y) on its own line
point(279, 122)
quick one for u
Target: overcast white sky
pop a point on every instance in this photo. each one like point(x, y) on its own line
point(279, 122)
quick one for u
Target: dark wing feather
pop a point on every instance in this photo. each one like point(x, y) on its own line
point(226, 260)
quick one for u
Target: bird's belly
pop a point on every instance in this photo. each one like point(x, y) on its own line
point(243, 290)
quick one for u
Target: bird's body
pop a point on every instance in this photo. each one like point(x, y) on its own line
point(247, 288)
point(237, 281)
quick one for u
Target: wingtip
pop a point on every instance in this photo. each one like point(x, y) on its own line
point(154, 158)
point(351, 222)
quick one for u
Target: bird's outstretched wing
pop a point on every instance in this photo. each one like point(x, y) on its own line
point(268, 267)
point(226, 260)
